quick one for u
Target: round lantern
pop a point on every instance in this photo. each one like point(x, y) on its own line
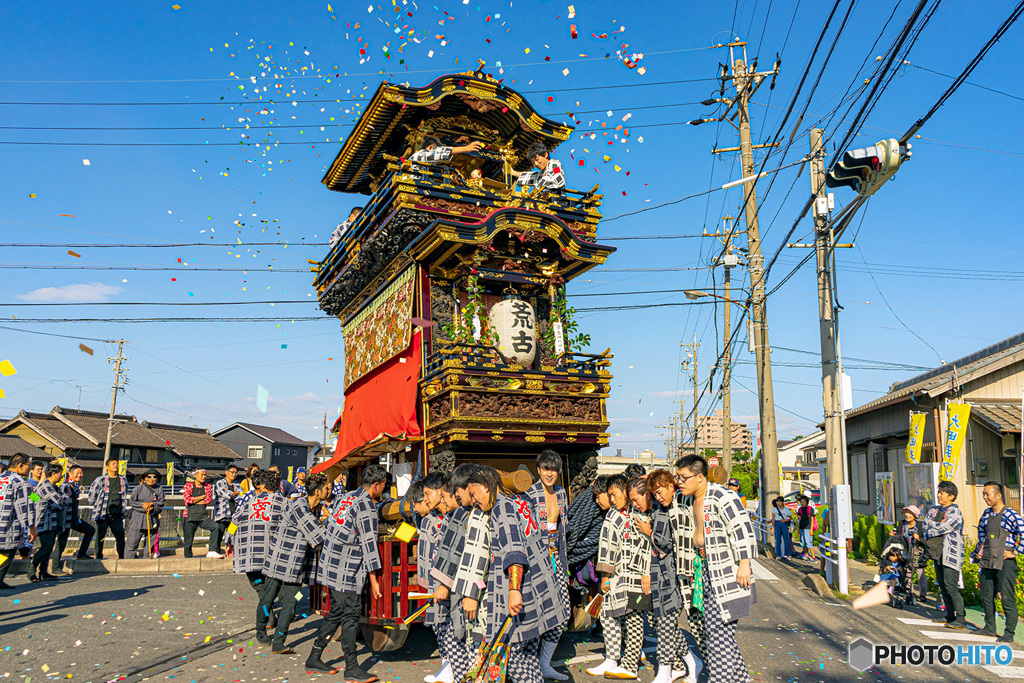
point(515, 323)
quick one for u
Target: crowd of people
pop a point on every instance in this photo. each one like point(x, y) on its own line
point(670, 548)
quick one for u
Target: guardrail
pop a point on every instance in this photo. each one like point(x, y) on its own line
point(170, 529)
point(834, 554)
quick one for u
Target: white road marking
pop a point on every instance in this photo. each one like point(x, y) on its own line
point(949, 634)
point(1006, 671)
point(760, 572)
point(918, 622)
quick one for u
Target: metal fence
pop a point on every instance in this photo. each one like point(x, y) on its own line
point(171, 531)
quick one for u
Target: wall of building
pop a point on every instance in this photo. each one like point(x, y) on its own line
point(239, 440)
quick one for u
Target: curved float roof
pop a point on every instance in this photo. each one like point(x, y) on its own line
point(472, 103)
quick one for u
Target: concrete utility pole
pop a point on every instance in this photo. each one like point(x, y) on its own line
point(118, 382)
point(727, 353)
point(746, 81)
point(691, 363)
point(831, 370)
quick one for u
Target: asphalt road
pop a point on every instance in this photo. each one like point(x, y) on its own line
point(199, 628)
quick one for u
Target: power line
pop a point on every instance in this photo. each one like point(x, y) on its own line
point(42, 266)
point(158, 303)
point(167, 245)
point(253, 319)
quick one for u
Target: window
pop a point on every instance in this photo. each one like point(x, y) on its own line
point(256, 452)
point(859, 476)
point(152, 455)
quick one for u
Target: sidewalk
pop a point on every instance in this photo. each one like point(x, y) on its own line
point(167, 564)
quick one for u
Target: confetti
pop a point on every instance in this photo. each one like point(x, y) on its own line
point(31, 195)
point(175, 7)
point(86, 162)
point(76, 255)
point(7, 368)
point(84, 349)
point(572, 11)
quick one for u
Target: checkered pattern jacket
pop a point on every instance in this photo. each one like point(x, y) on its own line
point(256, 523)
point(49, 508)
point(99, 496)
point(496, 540)
point(617, 557)
point(69, 491)
point(338, 233)
point(728, 538)
point(144, 494)
point(951, 528)
point(290, 557)
point(551, 178)
point(430, 156)
point(664, 583)
point(350, 551)
point(224, 499)
point(551, 611)
point(446, 564)
point(539, 507)
point(16, 514)
point(427, 548)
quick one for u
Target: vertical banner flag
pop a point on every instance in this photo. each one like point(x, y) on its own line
point(917, 424)
point(291, 468)
point(170, 474)
point(958, 415)
point(122, 467)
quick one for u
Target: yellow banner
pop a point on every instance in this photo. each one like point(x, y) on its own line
point(170, 474)
point(917, 424)
point(122, 467)
point(291, 469)
point(958, 415)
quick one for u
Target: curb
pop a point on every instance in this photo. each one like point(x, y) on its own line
point(163, 565)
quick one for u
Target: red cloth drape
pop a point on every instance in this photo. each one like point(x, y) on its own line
point(382, 403)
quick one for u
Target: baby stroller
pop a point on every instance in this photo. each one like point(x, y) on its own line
point(894, 570)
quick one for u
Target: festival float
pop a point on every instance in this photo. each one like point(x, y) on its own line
point(450, 288)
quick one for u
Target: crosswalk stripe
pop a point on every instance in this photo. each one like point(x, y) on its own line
point(761, 573)
point(917, 622)
point(961, 637)
point(1006, 671)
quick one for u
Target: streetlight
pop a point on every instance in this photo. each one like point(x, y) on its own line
point(695, 294)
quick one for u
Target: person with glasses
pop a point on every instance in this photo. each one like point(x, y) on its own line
point(715, 546)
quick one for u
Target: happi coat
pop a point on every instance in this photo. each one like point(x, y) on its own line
point(664, 582)
point(144, 494)
point(496, 541)
point(447, 560)
point(427, 548)
point(256, 523)
point(16, 514)
point(350, 551)
point(223, 499)
point(728, 538)
point(99, 496)
point(69, 490)
point(49, 508)
point(290, 556)
point(539, 507)
point(618, 558)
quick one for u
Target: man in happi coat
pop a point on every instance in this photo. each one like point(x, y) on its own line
point(657, 495)
point(714, 547)
point(147, 502)
point(49, 521)
point(255, 523)
point(444, 568)
point(108, 495)
point(622, 570)
point(226, 492)
point(499, 579)
point(71, 491)
point(16, 514)
point(290, 559)
point(549, 505)
point(349, 556)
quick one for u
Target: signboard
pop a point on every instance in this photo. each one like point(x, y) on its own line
point(917, 423)
point(713, 461)
point(921, 480)
point(885, 500)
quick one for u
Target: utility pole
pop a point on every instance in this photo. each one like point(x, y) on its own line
point(118, 383)
point(691, 363)
point(746, 80)
point(727, 351)
point(79, 387)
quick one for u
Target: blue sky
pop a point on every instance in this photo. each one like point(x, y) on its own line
point(937, 244)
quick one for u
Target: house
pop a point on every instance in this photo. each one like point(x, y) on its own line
point(12, 445)
point(989, 381)
point(616, 464)
point(798, 462)
point(266, 446)
point(81, 435)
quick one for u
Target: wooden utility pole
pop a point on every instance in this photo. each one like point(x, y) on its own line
point(118, 383)
point(746, 81)
point(831, 370)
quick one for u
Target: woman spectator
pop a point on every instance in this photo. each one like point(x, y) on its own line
point(782, 521)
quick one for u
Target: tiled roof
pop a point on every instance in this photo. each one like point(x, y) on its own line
point(963, 366)
point(193, 442)
point(11, 444)
point(50, 427)
point(127, 431)
point(1003, 417)
point(270, 434)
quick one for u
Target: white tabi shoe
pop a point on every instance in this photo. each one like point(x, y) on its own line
point(603, 667)
point(619, 673)
point(693, 668)
point(664, 675)
point(439, 677)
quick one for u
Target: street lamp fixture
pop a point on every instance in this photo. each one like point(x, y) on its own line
point(695, 294)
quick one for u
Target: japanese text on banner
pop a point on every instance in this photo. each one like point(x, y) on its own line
point(959, 415)
point(917, 424)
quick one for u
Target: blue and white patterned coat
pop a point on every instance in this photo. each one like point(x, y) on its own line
point(664, 584)
point(99, 496)
point(446, 563)
point(49, 508)
point(496, 541)
point(16, 514)
point(554, 612)
point(69, 491)
point(618, 558)
point(223, 497)
point(256, 523)
point(290, 557)
point(951, 528)
point(427, 548)
point(350, 552)
point(539, 507)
